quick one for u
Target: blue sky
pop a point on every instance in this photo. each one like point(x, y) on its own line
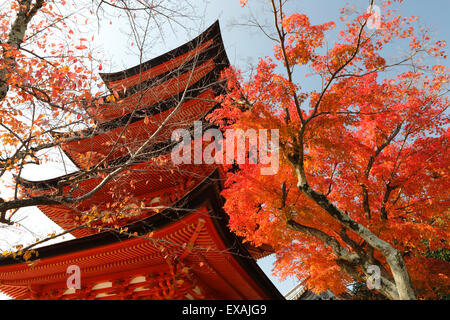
point(245, 45)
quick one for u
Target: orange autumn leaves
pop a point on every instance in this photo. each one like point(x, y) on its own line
point(302, 39)
point(367, 130)
point(48, 80)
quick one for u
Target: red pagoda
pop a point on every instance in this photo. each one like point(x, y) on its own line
point(172, 242)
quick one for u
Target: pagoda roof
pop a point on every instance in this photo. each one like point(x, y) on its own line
point(193, 68)
point(145, 71)
point(197, 237)
point(144, 95)
point(129, 132)
point(151, 184)
point(196, 64)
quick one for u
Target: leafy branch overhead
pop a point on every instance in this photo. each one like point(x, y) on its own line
point(49, 91)
point(363, 176)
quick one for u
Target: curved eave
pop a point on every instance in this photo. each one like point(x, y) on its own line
point(52, 183)
point(142, 227)
point(216, 52)
point(194, 102)
point(213, 32)
point(209, 81)
point(206, 194)
point(43, 184)
point(152, 192)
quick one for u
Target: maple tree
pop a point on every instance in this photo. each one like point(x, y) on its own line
point(364, 168)
point(49, 91)
point(43, 84)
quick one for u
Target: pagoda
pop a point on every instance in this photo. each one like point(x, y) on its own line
point(171, 240)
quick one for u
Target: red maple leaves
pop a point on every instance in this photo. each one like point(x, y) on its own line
point(374, 141)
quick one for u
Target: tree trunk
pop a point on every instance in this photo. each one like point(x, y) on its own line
point(392, 255)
